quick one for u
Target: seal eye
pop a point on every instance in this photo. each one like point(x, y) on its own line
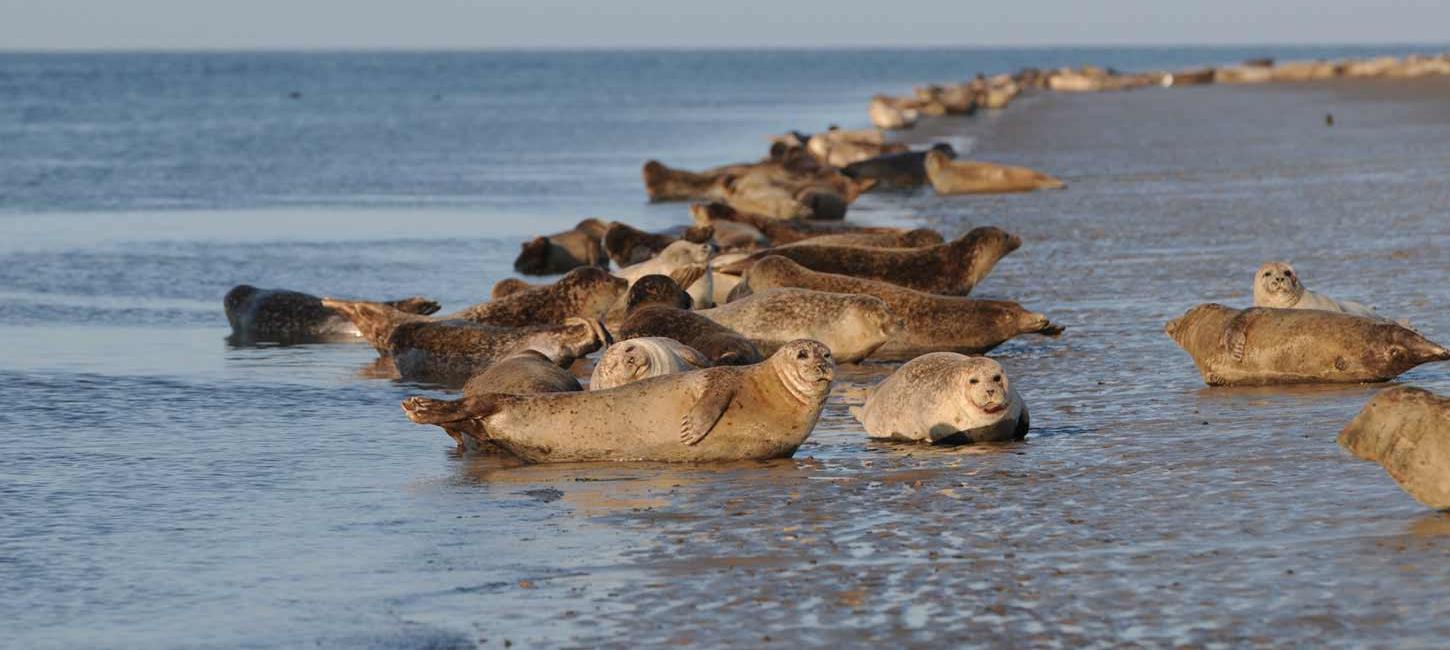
point(975, 381)
point(997, 378)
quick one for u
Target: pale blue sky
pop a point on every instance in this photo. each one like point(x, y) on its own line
point(229, 24)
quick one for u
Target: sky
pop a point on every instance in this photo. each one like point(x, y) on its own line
point(475, 24)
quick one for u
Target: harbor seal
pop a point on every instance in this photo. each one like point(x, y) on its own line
point(509, 287)
point(949, 176)
point(754, 412)
point(915, 238)
point(673, 260)
point(641, 358)
point(1277, 285)
point(900, 170)
point(945, 397)
point(658, 307)
point(853, 326)
point(522, 373)
point(628, 245)
point(1407, 431)
point(930, 323)
point(1262, 346)
point(586, 292)
point(953, 268)
point(560, 252)
point(292, 316)
point(778, 231)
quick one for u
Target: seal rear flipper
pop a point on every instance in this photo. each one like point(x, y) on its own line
point(1235, 338)
point(415, 305)
point(375, 320)
point(709, 407)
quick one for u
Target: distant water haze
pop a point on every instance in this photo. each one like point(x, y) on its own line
point(433, 24)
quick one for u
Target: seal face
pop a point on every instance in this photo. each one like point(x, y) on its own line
point(1277, 285)
point(852, 326)
point(945, 397)
point(586, 292)
point(1264, 345)
point(294, 317)
point(641, 358)
point(1407, 431)
point(754, 412)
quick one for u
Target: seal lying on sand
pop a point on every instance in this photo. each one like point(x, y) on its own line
point(972, 177)
point(562, 251)
point(1276, 285)
point(586, 292)
point(950, 269)
point(902, 170)
point(1407, 431)
point(1262, 346)
point(944, 397)
point(282, 315)
point(910, 239)
point(523, 373)
point(755, 412)
point(642, 358)
point(931, 323)
point(658, 307)
point(778, 231)
point(628, 245)
point(853, 326)
point(840, 147)
point(677, 255)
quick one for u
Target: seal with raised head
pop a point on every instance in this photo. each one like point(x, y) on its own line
point(1262, 346)
point(523, 373)
point(586, 292)
point(756, 412)
point(930, 323)
point(953, 268)
point(1277, 285)
point(945, 397)
point(658, 307)
point(642, 358)
point(853, 326)
point(560, 252)
point(901, 170)
point(949, 176)
point(1407, 431)
point(292, 316)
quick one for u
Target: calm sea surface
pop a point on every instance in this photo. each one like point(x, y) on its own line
point(159, 488)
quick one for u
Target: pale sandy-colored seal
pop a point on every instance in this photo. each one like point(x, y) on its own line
point(658, 307)
point(1262, 346)
point(853, 326)
point(586, 292)
point(902, 170)
point(1277, 285)
point(674, 258)
point(292, 316)
point(754, 412)
point(840, 147)
point(945, 397)
point(890, 113)
point(949, 176)
point(1407, 431)
point(953, 268)
point(522, 373)
point(563, 251)
point(930, 323)
point(642, 358)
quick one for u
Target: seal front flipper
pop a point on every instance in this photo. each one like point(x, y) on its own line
point(714, 399)
point(1236, 335)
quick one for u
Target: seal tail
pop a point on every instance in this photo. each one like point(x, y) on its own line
point(415, 305)
point(375, 320)
point(461, 419)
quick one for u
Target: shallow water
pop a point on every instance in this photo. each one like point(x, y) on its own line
point(163, 489)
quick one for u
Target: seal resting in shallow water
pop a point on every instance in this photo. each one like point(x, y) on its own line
point(658, 307)
point(930, 323)
point(642, 358)
point(945, 397)
point(853, 326)
point(562, 251)
point(1276, 285)
point(974, 177)
point(754, 412)
point(1263, 346)
point(953, 268)
point(282, 315)
point(586, 292)
point(1407, 431)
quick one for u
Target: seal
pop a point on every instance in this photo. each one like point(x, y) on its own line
point(641, 358)
point(916, 238)
point(754, 412)
point(663, 183)
point(777, 231)
point(953, 268)
point(522, 373)
point(510, 286)
point(840, 147)
point(1407, 431)
point(1263, 346)
point(1276, 285)
point(900, 170)
point(973, 177)
point(656, 306)
point(930, 323)
point(891, 114)
point(560, 252)
point(628, 245)
point(586, 292)
point(292, 316)
point(853, 326)
point(945, 397)
point(450, 352)
point(672, 260)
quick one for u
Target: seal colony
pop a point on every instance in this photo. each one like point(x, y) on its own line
point(729, 328)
